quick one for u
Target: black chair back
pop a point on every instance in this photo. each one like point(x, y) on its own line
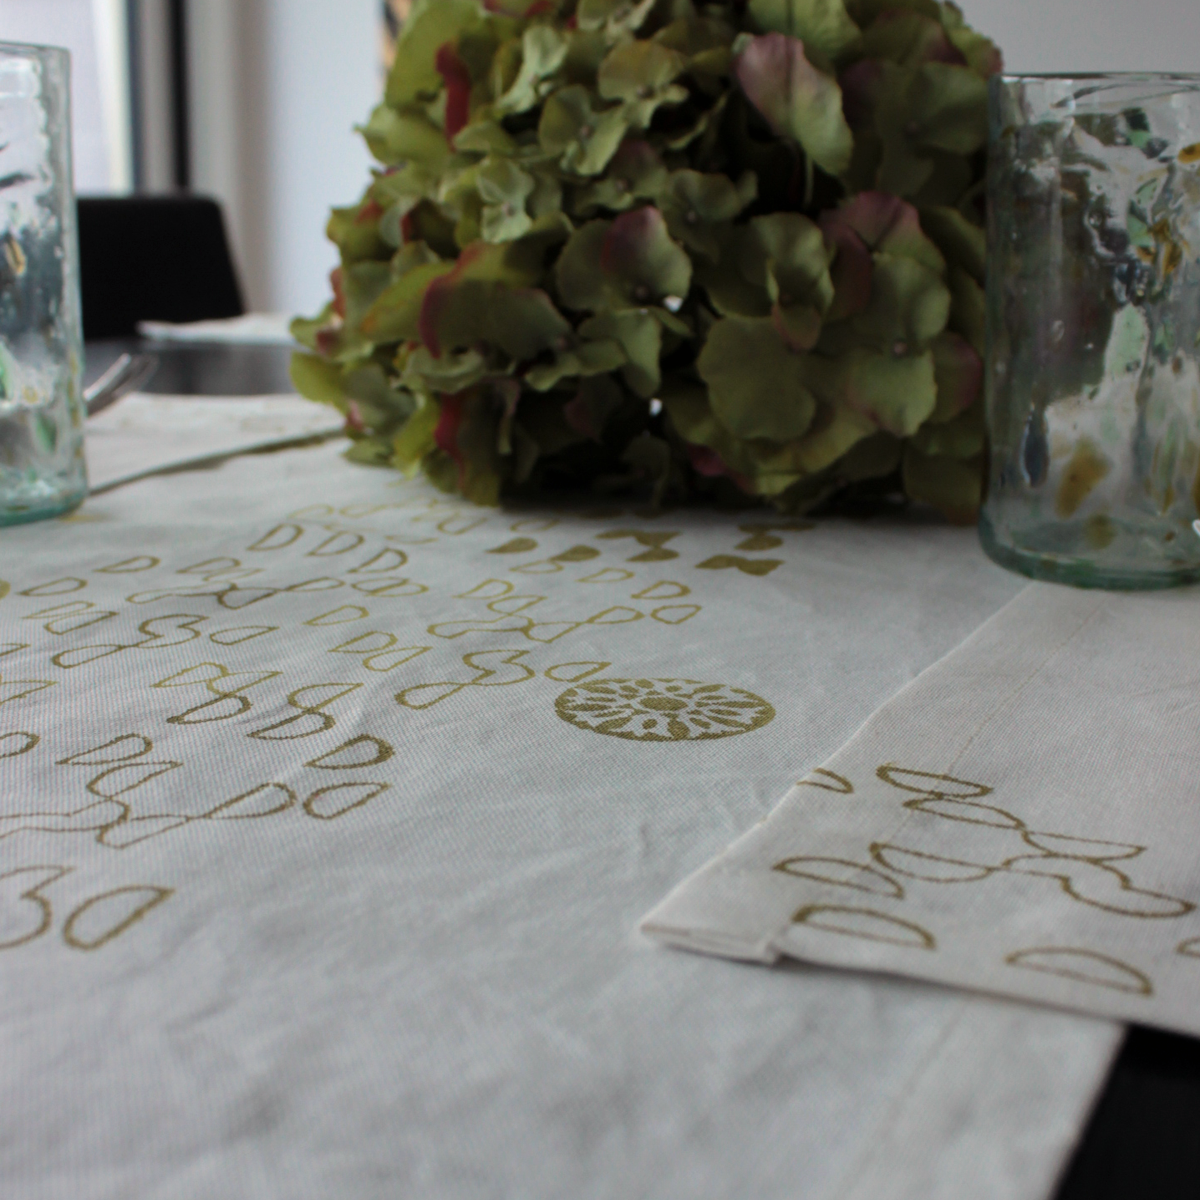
point(153, 258)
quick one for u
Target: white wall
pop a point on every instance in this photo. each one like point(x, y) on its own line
point(1056, 36)
point(93, 31)
point(276, 87)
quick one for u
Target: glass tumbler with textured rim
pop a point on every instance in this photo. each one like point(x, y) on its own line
point(1093, 314)
point(42, 470)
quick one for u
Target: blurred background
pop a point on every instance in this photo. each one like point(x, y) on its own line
point(253, 101)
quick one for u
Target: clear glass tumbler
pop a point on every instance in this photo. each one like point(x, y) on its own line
point(42, 471)
point(1093, 306)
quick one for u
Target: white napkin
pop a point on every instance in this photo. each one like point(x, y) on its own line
point(261, 329)
point(148, 434)
point(1024, 819)
point(328, 804)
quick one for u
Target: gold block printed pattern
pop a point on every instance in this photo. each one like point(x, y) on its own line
point(663, 710)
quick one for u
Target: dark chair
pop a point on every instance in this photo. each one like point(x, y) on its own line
point(153, 258)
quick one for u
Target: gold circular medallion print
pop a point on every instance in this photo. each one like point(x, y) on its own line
point(663, 710)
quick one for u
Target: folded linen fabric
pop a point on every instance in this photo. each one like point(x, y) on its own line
point(1023, 819)
point(328, 804)
point(146, 435)
point(252, 329)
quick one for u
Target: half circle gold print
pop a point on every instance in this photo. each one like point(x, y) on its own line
point(829, 781)
point(841, 872)
point(1083, 966)
point(663, 710)
point(13, 745)
point(1190, 948)
point(926, 783)
point(102, 918)
point(867, 924)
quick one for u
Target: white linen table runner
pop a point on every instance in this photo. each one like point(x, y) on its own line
point(1024, 819)
point(328, 805)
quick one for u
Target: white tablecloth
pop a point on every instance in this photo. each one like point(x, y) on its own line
point(434, 989)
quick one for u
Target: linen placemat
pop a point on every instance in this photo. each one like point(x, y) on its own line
point(329, 804)
point(146, 434)
point(1024, 819)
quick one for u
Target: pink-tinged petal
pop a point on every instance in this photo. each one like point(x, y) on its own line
point(438, 293)
point(519, 8)
point(445, 435)
point(337, 282)
point(354, 419)
point(860, 90)
point(436, 296)
point(580, 416)
point(640, 256)
point(458, 89)
point(851, 270)
point(798, 325)
point(371, 211)
point(890, 225)
point(706, 462)
point(959, 372)
point(929, 40)
point(635, 160)
point(798, 101)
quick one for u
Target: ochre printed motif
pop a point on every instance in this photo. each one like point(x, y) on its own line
point(324, 576)
point(1081, 867)
point(840, 872)
point(27, 912)
point(829, 781)
point(663, 710)
point(1083, 966)
point(13, 745)
point(995, 842)
point(865, 923)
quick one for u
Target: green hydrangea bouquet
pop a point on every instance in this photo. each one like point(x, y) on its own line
point(730, 248)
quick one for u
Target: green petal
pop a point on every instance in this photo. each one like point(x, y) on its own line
point(909, 39)
point(968, 312)
point(796, 260)
point(960, 241)
point(431, 25)
point(318, 380)
point(484, 136)
point(627, 263)
point(960, 438)
point(953, 486)
point(822, 25)
point(641, 261)
point(897, 393)
point(755, 382)
point(909, 306)
point(948, 109)
point(616, 18)
point(415, 440)
point(797, 100)
point(637, 70)
point(584, 139)
point(544, 50)
point(693, 203)
point(579, 362)
point(395, 138)
point(451, 373)
point(577, 273)
point(640, 336)
point(395, 314)
point(959, 372)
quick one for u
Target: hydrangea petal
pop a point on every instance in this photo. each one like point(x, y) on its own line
point(797, 100)
point(755, 381)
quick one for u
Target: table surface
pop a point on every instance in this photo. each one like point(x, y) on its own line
point(1144, 1136)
